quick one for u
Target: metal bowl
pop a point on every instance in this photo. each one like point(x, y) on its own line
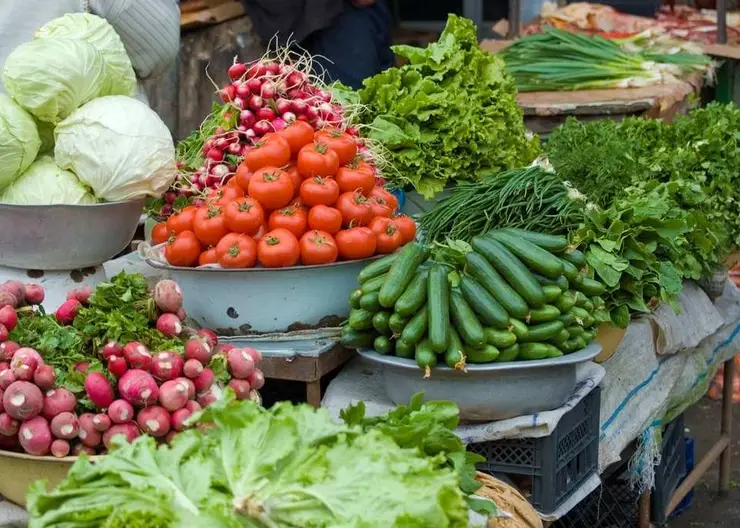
point(65, 237)
point(493, 391)
point(260, 300)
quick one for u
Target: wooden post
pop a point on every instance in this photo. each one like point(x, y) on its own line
point(724, 459)
point(643, 516)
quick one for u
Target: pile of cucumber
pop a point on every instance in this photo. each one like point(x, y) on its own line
point(520, 295)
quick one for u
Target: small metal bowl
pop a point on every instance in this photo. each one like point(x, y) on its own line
point(65, 237)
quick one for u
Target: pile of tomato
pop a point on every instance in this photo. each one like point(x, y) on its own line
point(299, 197)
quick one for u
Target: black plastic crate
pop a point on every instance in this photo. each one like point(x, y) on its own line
point(671, 470)
point(553, 466)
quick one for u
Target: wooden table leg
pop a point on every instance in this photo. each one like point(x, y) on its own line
point(643, 517)
point(724, 459)
point(313, 393)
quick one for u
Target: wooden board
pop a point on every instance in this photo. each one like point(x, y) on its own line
point(205, 12)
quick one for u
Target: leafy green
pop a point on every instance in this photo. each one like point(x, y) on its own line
point(449, 114)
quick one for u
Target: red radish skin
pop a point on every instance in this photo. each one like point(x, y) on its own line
point(207, 398)
point(35, 436)
point(193, 407)
point(2, 393)
point(240, 363)
point(23, 400)
point(111, 348)
point(256, 380)
point(223, 349)
point(137, 356)
point(178, 419)
point(154, 421)
point(21, 354)
point(7, 349)
point(58, 401)
point(173, 395)
point(129, 431)
point(8, 299)
point(81, 294)
point(204, 381)
point(6, 378)
point(34, 294)
point(24, 368)
point(121, 411)
point(138, 388)
point(167, 366)
point(8, 317)
point(256, 354)
point(168, 296)
point(169, 324)
point(193, 368)
point(44, 377)
point(8, 425)
point(3, 333)
point(80, 449)
point(65, 426)
point(181, 315)
point(102, 422)
point(4, 365)
point(190, 385)
point(170, 436)
point(17, 289)
point(88, 435)
point(67, 312)
point(99, 390)
point(117, 366)
point(60, 448)
point(198, 348)
point(9, 443)
point(210, 336)
point(82, 366)
point(241, 388)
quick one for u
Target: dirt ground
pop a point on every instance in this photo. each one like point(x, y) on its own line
point(709, 510)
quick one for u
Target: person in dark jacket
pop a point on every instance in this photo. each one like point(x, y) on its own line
point(350, 38)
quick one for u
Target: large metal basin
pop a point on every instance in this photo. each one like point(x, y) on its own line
point(493, 391)
point(65, 237)
point(265, 300)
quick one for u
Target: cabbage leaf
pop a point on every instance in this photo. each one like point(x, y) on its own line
point(19, 141)
point(44, 183)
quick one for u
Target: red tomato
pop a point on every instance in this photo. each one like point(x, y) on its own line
point(294, 219)
point(318, 247)
point(209, 256)
point(356, 243)
point(242, 176)
point(317, 159)
point(343, 144)
point(160, 234)
point(209, 224)
point(380, 207)
point(244, 215)
point(407, 227)
point(260, 233)
point(324, 218)
point(237, 251)
point(355, 209)
point(270, 151)
point(182, 220)
point(271, 187)
point(319, 191)
point(295, 177)
point(278, 249)
point(384, 197)
point(225, 194)
point(356, 177)
point(387, 235)
point(298, 134)
point(183, 250)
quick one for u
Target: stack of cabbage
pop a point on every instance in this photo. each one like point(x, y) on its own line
point(71, 132)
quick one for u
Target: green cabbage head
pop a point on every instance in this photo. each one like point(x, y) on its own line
point(44, 183)
point(19, 141)
point(120, 78)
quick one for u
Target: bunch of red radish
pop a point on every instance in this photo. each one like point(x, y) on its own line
point(138, 392)
point(261, 97)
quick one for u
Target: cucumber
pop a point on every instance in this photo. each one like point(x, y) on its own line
point(404, 268)
point(549, 242)
point(404, 350)
point(580, 343)
point(373, 285)
point(485, 354)
point(567, 318)
point(565, 302)
point(489, 311)
point(571, 345)
point(466, 323)
point(589, 335)
point(543, 315)
point(580, 298)
point(575, 257)
point(561, 337)
point(416, 327)
point(542, 332)
point(414, 297)
point(552, 292)
point(425, 357)
point(383, 345)
point(591, 287)
point(553, 351)
point(352, 338)
point(508, 354)
point(511, 269)
point(380, 323)
point(580, 314)
point(361, 319)
point(588, 306)
point(532, 351)
point(397, 323)
point(533, 256)
point(518, 328)
point(377, 268)
point(482, 270)
point(569, 270)
point(354, 298)
point(370, 302)
point(455, 353)
point(438, 299)
point(561, 282)
point(499, 338)
point(589, 321)
point(575, 331)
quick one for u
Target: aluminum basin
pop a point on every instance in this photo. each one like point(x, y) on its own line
point(494, 391)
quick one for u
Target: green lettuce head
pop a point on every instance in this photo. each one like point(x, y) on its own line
point(44, 183)
point(19, 141)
